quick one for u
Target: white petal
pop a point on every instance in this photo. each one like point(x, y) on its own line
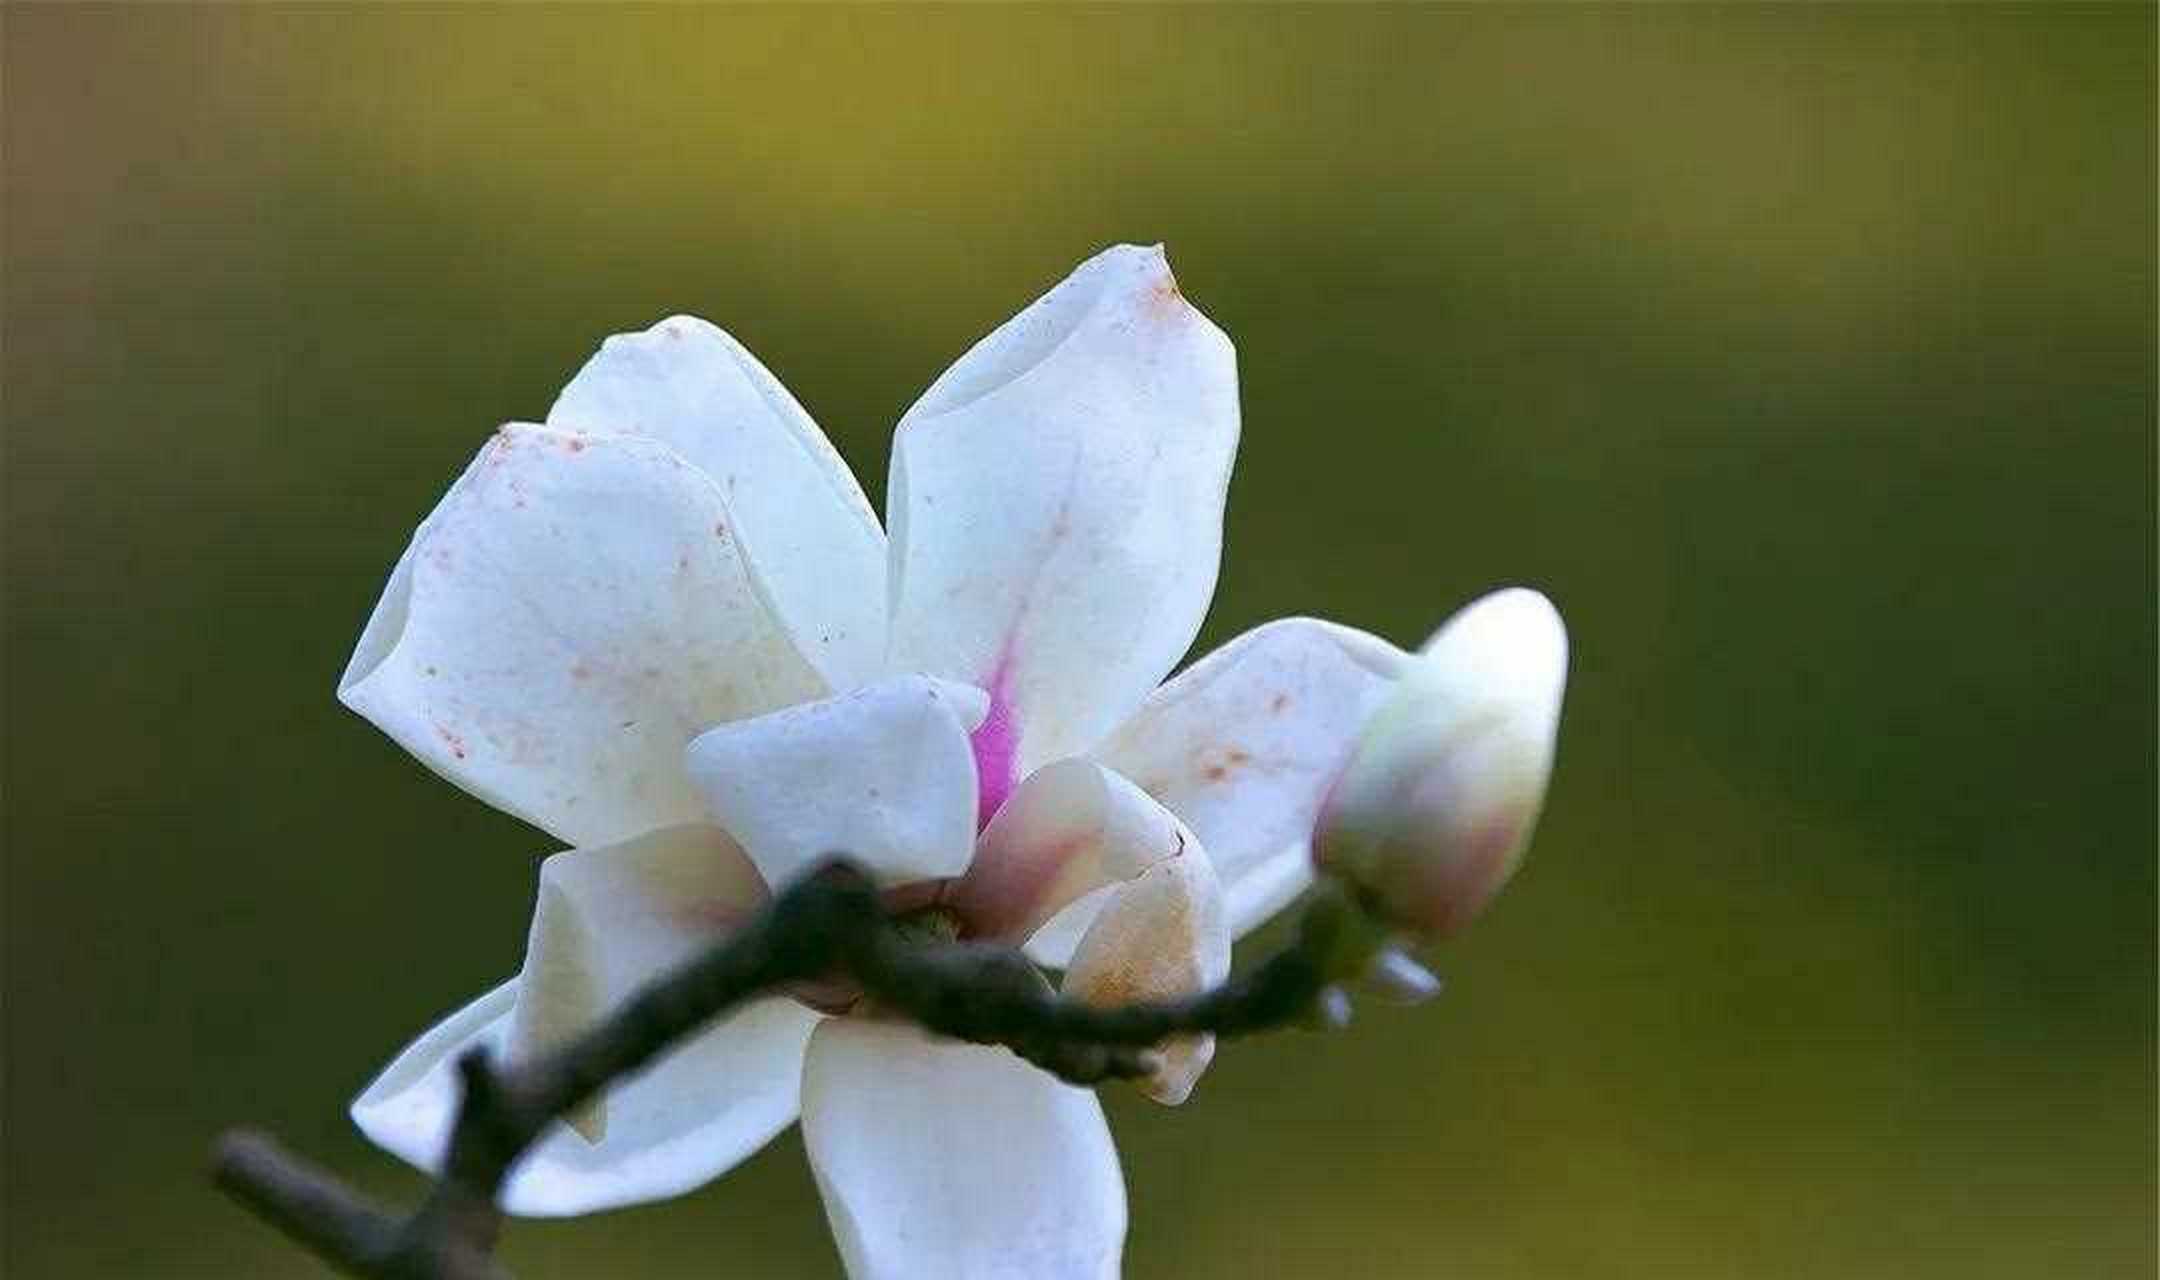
point(809, 534)
point(1071, 828)
point(692, 1117)
point(1260, 890)
point(611, 919)
point(1266, 887)
point(1054, 941)
point(1161, 936)
point(884, 775)
point(387, 623)
point(1056, 505)
point(957, 1161)
point(568, 617)
point(1243, 745)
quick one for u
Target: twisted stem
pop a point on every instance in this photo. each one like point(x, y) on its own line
point(829, 921)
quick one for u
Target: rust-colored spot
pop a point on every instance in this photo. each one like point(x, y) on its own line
point(720, 531)
point(580, 671)
point(575, 444)
point(1221, 767)
point(1277, 703)
point(451, 740)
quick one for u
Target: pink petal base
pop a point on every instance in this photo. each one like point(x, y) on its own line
point(997, 747)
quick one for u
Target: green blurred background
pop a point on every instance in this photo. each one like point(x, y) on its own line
point(1805, 356)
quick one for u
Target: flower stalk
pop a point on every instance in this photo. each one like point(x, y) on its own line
point(828, 920)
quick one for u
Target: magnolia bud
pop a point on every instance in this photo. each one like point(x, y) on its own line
point(1394, 976)
point(1435, 808)
point(1332, 1010)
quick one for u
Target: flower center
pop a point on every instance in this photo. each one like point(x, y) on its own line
point(930, 925)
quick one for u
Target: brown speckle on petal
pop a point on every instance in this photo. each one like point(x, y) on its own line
point(1220, 768)
point(1166, 297)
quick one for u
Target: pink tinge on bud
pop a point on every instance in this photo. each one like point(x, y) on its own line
point(1442, 880)
point(1435, 809)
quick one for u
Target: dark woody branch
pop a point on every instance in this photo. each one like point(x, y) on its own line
point(828, 922)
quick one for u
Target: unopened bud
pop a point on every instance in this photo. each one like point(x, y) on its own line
point(1332, 1010)
point(1435, 808)
point(1395, 977)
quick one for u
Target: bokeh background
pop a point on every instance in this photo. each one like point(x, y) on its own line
point(1806, 356)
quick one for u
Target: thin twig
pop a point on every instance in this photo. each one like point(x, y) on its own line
point(829, 922)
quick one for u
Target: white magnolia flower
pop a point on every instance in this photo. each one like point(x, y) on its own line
point(666, 628)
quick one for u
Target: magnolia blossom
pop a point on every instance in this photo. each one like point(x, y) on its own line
point(1435, 809)
point(665, 627)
